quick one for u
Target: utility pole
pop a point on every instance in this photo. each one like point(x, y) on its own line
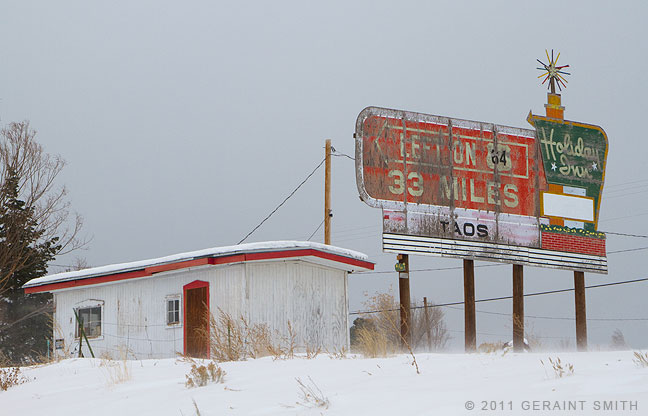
point(518, 308)
point(404, 295)
point(327, 195)
point(581, 318)
point(427, 324)
point(470, 330)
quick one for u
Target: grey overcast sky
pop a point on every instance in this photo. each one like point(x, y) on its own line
point(185, 123)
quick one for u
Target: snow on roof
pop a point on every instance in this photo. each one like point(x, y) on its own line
point(209, 252)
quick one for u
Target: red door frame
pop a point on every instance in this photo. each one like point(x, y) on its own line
point(193, 285)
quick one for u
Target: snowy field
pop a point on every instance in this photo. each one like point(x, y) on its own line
point(449, 384)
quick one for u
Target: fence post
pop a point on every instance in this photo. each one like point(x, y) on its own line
point(82, 335)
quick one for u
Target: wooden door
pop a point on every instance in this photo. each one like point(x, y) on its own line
point(196, 319)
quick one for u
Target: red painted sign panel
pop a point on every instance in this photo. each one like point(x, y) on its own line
point(448, 162)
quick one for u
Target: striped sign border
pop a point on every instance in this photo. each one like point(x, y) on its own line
point(442, 247)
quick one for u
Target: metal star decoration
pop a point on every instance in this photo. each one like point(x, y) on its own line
point(552, 72)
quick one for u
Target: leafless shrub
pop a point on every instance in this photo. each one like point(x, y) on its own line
point(490, 347)
point(373, 343)
point(560, 369)
point(641, 359)
point(338, 353)
point(565, 344)
point(236, 339)
point(429, 332)
point(118, 370)
point(4, 360)
point(384, 333)
point(10, 377)
point(532, 341)
point(380, 332)
point(312, 352)
point(196, 407)
point(290, 342)
point(310, 395)
point(227, 338)
point(200, 376)
point(618, 340)
point(427, 327)
point(66, 349)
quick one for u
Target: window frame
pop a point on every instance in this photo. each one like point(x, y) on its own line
point(173, 298)
point(77, 309)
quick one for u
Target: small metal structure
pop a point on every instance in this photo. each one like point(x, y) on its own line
point(552, 73)
point(159, 307)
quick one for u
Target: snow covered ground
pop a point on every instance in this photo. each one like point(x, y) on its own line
point(449, 384)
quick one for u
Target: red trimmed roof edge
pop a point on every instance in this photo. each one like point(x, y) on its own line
point(228, 259)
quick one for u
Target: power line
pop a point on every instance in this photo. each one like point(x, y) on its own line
point(340, 154)
point(614, 185)
point(628, 250)
point(625, 234)
point(316, 230)
point(429, 270)
point(526, 295)
point(71, 266)
point(341, 230)
point(506, 335)
point(283, 202)
point(641, 214)
point(557, 318)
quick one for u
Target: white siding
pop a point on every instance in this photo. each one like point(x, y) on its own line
point(312, 297)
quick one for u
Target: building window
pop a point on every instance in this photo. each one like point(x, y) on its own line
point(173, 311)
point(91, 318)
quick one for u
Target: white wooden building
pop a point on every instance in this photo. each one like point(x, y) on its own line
point(152, 308)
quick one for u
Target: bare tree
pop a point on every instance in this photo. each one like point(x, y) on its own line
point(428, 331)
point(618, 341)
point(36, 172)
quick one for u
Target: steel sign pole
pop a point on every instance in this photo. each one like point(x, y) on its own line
point(581, 317)
point(404, 296)
point(469, 306)
point(518, 308)
point(327, 194)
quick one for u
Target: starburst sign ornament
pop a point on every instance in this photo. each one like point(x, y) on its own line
point(552, 72)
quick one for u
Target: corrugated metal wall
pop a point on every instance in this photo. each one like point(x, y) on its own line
point(312, 297)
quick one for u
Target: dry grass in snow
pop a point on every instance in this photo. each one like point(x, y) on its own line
point(329, 386)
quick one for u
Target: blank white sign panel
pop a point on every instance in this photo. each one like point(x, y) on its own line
point(565, 206)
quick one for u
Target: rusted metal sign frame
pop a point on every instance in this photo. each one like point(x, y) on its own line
point(488, 216)
point(521, 248)
point(418, 117)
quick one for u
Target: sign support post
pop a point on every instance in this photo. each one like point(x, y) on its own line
point(581, 317)
point(554, 110)
point(404, 296)
point(518, 308)
point(469, 306)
